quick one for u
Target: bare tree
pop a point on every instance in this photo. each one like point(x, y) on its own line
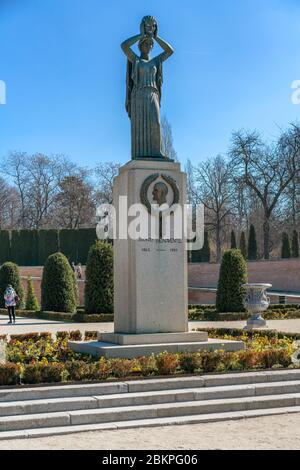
point(291, 205)
point(167, 140)
point(74, 204)
point(45, 174)
point(266, 169)
point(190, 183)
point(37, 178)
point(105, 174)
point(12, 213)
point(15, 167)
point(212, 186)
point(9, 205)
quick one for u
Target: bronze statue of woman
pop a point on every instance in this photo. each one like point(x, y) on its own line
point(143, 94)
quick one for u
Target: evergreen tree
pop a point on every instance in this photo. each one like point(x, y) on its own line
point(99, 289)
point(205, 252)
point(31, 300)
point(243, 247)
point(233, 273)
point(252, 244)
point(285, 248)
point(9, 275)
point(295, 245)
point(233, 244)
point(58, 286)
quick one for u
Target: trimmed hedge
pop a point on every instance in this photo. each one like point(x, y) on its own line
point(48, 244)
point(9, 274)
point(86, 237)
point(196, 313)
point(237, 332)
point(68, 243)
point(274, 312)
point(33, 247)
point(99, 288)
point(24, 247)
point(9, 374)
point(5, 254)
point(78, 317)
point(233, 273)
point(58, 285)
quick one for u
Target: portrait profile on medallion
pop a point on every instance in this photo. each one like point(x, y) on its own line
point(159, 190)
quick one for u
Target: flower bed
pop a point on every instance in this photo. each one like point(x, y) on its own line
point(38, 358)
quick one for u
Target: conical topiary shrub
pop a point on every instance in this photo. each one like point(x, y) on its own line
point(9, 274)
point(233, 273)
point(99, 289)
point(285, 247)
point(58, 288)
point(243, 247)
point(31, 300)
point(252, 244)
point(295, 245)
point(233, 244)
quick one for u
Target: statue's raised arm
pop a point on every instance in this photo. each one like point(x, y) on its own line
point(143, 94)
point(126, 47)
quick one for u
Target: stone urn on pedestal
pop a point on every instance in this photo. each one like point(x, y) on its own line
point(256, 302)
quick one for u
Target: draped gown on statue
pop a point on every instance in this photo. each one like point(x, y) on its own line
point(144, 111)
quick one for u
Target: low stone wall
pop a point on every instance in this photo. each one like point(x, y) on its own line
point(284, 275)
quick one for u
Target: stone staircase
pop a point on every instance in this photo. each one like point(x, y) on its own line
point(62, 409)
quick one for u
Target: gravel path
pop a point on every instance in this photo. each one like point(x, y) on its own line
point(274, 432)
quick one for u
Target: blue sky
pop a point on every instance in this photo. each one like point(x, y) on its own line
point(61, 60)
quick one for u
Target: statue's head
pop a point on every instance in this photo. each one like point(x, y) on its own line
point(148, 26)
point(146, 44)
point(160, 192)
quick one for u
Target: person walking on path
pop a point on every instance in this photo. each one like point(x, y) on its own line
point(11, 298)
point(79, 271)
point(73, 266)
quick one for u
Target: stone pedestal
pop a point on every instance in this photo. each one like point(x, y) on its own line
point(150, 276)
point(255, 321)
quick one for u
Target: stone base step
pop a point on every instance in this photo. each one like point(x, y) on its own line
point(53, 405)
point(13, 394)
point(138, 412)
point(111, 350)
point(153, 338)
point(149, 402)
point(179, 420)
